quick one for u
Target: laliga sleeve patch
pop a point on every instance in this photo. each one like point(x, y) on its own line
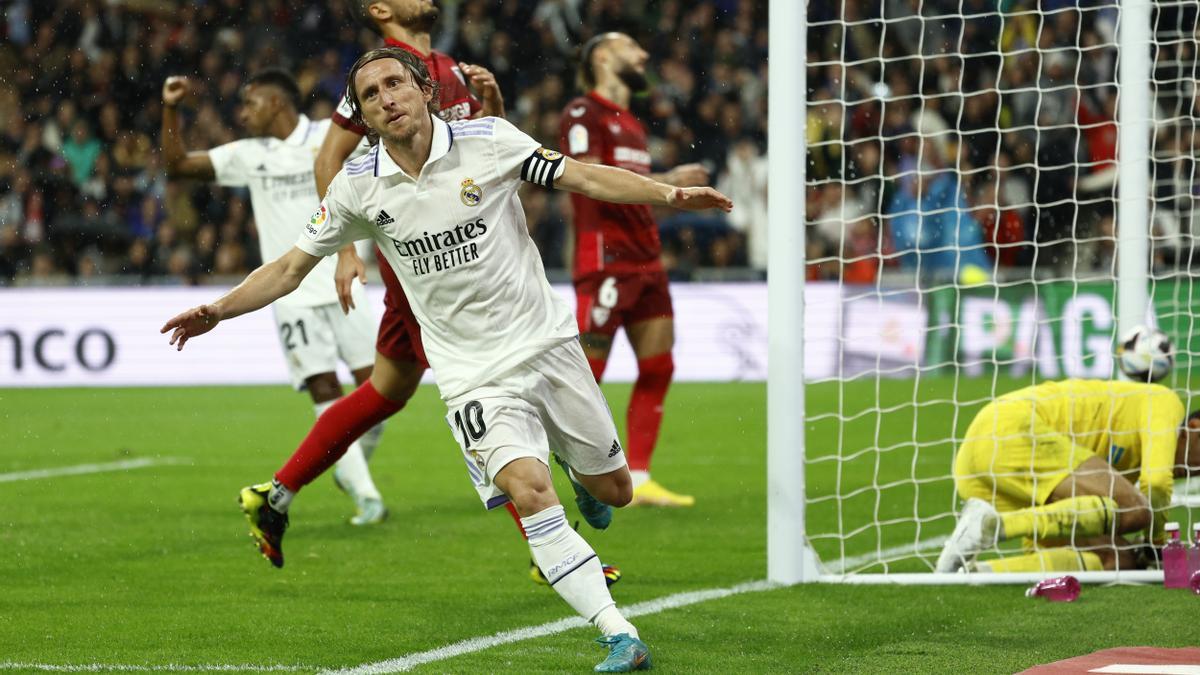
point(542, 167)
point(577, 139)
point(317, 222)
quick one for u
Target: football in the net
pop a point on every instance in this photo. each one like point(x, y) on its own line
point(1145, 354)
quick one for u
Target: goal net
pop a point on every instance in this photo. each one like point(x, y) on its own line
point(964, 240)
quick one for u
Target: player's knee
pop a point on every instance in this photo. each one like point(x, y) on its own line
point(323, 387)
point(620, 490)
point(396, 381)
point(531, 498)
point(658, 368)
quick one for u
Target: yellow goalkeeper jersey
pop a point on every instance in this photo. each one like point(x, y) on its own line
point(1133, 426)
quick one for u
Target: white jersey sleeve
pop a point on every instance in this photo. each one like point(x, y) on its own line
point(519, 156)
point(335, 224)
point(232, 161)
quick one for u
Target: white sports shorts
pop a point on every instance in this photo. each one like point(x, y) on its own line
point(550, 403)
point(315, 338)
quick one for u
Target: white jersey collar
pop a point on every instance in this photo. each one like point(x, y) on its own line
point(300, 134)
point(442, 140)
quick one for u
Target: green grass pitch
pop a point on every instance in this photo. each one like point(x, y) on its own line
point(153, 566)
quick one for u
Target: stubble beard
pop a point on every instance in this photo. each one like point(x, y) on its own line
point(631, 78)
point(402, 138)
point(424, 21)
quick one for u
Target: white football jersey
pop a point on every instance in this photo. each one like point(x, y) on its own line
point(283, 194)
point(456, 236)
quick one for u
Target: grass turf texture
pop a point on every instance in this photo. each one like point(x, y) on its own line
point(154, 566)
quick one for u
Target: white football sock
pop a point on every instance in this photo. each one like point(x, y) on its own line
point(351, 470)
point(280, 497)
point(370, 440)
point(639, 477)
point(573, 570)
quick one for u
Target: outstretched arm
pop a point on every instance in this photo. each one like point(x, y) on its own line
point(178, 161)
point(684, 175)
point(610, 184)
point(262, 287)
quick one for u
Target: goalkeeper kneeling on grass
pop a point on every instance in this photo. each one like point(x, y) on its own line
point(1056, 465)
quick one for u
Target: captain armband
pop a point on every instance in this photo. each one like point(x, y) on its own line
point(543, 166)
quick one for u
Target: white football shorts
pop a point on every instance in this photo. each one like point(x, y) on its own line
point(315, 338)
point(550, 403)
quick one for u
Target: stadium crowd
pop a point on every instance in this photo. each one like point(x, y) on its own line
point(949, 134)
point(82, 188)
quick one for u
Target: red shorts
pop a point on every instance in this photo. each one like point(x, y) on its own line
point(399, 333)
point(605, 302)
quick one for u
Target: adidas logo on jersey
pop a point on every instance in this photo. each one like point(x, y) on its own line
point(384, 219)
point(616, 449)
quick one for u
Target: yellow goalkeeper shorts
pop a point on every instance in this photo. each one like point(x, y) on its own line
point(1013, 458)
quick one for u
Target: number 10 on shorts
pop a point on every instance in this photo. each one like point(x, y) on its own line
point(470, 426)
point(469, 421)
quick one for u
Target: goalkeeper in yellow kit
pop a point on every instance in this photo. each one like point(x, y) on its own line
point(1055, 464)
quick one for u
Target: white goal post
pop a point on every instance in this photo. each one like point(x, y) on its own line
point(989, 193)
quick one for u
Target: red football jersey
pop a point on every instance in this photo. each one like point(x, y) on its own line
point(456, 102)
point(609, 237)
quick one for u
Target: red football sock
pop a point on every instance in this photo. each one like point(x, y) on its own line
point(512, 511)
point(598, 366)
point(339, 426)
point(646, 408)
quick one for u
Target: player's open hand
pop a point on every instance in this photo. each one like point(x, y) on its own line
point(349, 268)
point(688, 175)
point(699, 199)
point(195, 321)
point(482, 80)
point(175, 89)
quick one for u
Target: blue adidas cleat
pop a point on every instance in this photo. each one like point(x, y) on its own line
point(595, 512)
point(625, 654)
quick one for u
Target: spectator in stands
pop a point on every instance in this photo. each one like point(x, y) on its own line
point(81, 150)
point(91, 64)
point(930, 224)
point(745, 182)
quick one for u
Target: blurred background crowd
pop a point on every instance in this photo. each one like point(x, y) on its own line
point(84, 198)
point(960, 138)
point(968, 136)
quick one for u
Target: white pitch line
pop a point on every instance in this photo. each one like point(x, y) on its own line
point(410, 661)
point(80, 469)
point(168, 667)
point(471, 645)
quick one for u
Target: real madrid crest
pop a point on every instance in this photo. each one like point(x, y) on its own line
point(471, 193)
point(548, 154)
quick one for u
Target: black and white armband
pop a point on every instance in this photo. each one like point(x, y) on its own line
point(543, 166)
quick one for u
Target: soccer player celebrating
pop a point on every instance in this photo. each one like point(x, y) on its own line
point(400, 360)
point(503, 345)
point(619, 278)
point(1053, 464)
point(276, 165)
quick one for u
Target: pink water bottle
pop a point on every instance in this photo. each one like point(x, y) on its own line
point(1193, 552)
point(1195, 583)
point(1058, 589)
point(1174, 559)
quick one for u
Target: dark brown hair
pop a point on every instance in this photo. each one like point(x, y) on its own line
point(281, 80)
point(359, 9)
point(410, 61)
point(586, 76)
